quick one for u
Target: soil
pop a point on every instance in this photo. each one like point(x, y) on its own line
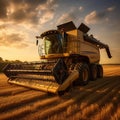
point(99, 100)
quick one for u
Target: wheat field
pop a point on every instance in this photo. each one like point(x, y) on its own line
point(99, 100)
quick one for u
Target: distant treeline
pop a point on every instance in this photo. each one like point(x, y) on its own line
point(9, 61)
point(3, 63)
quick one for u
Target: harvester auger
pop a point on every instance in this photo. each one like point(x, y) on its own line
point(67, 55)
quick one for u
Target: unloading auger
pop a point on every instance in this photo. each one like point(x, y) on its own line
point(67, 55)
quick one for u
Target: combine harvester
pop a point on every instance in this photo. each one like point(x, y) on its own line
point(67, 55)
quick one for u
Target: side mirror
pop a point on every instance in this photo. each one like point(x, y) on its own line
point(36, 42)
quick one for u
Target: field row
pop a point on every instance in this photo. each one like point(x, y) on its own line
point(98, 100)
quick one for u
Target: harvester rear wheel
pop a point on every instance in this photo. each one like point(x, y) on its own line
point(83, 73)
point(93, 72)
point(99, 71)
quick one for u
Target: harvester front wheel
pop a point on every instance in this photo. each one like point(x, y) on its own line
point(83, 74)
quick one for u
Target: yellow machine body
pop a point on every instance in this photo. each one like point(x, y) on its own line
point(67, 55)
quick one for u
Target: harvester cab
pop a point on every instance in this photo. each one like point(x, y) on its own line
point(51, 42)
point(67, 55)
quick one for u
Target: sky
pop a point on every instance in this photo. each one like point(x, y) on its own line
point(22, 20)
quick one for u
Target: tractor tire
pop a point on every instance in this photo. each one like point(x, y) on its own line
point(93, 72)
point(99, 71)
point(83, 73)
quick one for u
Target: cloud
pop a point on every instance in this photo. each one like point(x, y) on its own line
point(21, 45)
point(3, 26)
point(111, 8)
point(81, 8)
point(27, 11)
point(3, 8)
point(46, 17)
point(66, 17)
point(99, 16)
point(95, 17)
point(13, 40)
